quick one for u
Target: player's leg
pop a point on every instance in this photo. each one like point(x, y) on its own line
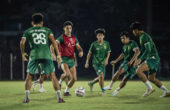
point(56, 87)
point(27, 87)
point(120, 71)
point(158, 83)
point(122, 84)
point(73, 78)
point(41, 80)
point(66, 73)
point(101, 81)
point(140, 72)
point(91, 83)
point(48, 68)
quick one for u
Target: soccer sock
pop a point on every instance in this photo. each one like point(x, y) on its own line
point(41, 86)
point(27, 93)
point(67, 89)
point(58, 92)
point(111, 84)
point(164, 88)
point(60, 81)
point(102, 88)
point(92, 82)
point(118, 89)
point(148, 84)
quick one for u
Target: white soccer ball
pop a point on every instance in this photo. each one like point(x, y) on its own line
point(80, 91)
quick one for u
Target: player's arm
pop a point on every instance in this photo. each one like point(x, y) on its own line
point(136, 53)
point(87, 60)
point(55, 46)
point(22, 48)
point(107, 58)
point(52, 52)
point(80, 50)
point(75, 59)
point(121, 56)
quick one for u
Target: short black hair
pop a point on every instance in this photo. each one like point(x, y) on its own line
point(100, 30)
point(125, 33)
point(67, 23)
point(37, 18)
point(136, 25)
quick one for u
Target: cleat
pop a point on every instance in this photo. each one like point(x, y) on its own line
point(91, 86)
point(42, 90)
point(67, 94)
point(108, 88)
point(115, 93)
point(26, 100)
point(166, 94)
point(61, 100)
point(148, 92)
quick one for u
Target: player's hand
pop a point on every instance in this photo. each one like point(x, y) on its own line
point(81, 54)
point(137, 62)
point(76, 64)
point(24, 56)
point(86, 65)
point(54, 57)
point(106, 62)
point(113, 62)
point(59, 60)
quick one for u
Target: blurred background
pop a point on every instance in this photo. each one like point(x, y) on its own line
point(87, 15)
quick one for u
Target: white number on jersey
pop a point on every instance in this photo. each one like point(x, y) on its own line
point(39, 38)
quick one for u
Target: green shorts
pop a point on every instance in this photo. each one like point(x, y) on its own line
point(46, 66)
point(68, 61)
point(153, 65)
point(39, 70)
point(130, 71)
point(99, 69)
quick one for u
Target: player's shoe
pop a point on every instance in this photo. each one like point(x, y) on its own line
point(42, 90)
point(27, 100)
point(148, 92)
point(67, 94)
point(61, 100)
point(91, 86)
point(108, 88)
point(166, 94)
point(115, 93)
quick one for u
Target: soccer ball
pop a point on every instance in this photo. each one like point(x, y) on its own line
point(80, 91)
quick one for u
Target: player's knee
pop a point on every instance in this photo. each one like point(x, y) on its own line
point(138, 71)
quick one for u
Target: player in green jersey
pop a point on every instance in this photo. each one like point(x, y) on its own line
point(38, 38)
point(148, 60)
point(130, 51)
point(100, 51)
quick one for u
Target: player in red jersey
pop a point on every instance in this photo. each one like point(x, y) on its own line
point(67, 43)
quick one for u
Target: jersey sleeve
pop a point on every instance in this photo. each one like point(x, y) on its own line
point(134, 45)
point(77, 42)
point(147, 48)
point(91, 48)
point(108, 47)
point(60, 39)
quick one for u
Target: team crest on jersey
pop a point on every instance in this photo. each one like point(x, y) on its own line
point(104, 46)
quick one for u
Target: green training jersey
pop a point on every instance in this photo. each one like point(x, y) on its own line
point(128, 50)
point(148, 48)
point(38, 38)
point(99, 52)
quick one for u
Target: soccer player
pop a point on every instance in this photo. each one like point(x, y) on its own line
point(38, 38)
point(100, 50)
point(148, 60)
point(130, 51)
point(67, 43)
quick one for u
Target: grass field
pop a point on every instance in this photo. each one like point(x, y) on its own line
point(129, 98)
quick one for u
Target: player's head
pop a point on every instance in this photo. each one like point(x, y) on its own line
point(100, 33)
point(37, 18)
point(136, 27)
point(67, 27)
point(124, 36)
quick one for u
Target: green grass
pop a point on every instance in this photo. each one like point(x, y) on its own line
point(129, 98)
